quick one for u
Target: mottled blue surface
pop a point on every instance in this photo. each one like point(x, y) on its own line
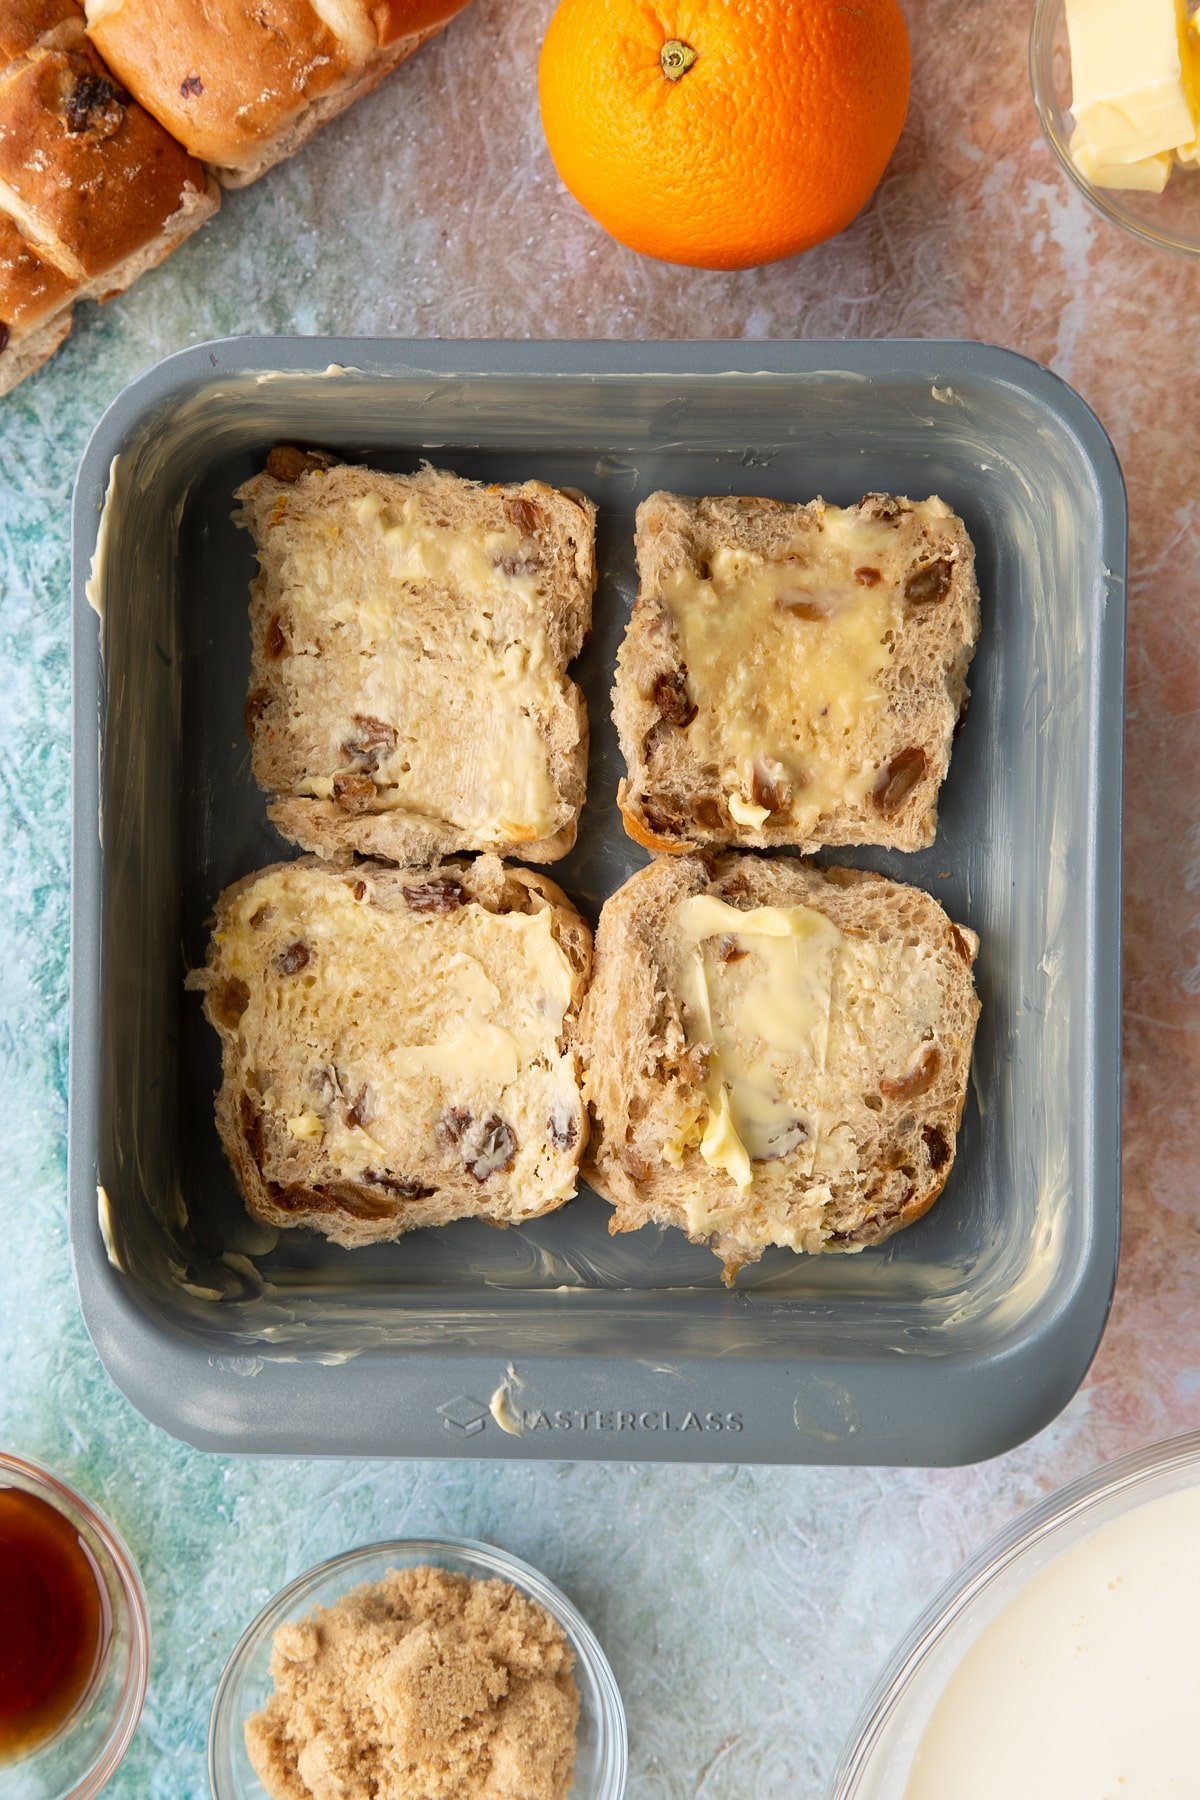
point(745, 1611)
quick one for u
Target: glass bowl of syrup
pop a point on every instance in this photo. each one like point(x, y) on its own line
point(74, 1640)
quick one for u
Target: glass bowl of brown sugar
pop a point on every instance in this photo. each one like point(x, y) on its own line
point(400, 1619)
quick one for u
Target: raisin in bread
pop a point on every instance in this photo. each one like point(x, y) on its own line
point(397, 1045)
point(411, 636)
point(775, 1053)
point(793, 675)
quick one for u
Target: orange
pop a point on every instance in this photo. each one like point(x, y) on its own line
point(723, 133)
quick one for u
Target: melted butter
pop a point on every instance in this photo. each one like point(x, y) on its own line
point(483, 658)
point(477, 1050)
point(420, 549)
point(306, 1125)
point(485, 997)
point(786, 660)
point(721, 1145)
point(766, 1016)
point(104, 1214)
point(792, 1011)
point(1083, 1686)
point(93, 587)
point(508, 1416)
point(746, 813)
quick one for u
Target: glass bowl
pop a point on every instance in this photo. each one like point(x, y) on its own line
point(1170, 220)
point(78, 1761)
point(603, 1755)
point(878, 1760)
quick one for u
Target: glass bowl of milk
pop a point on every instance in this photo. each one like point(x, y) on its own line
point(1129, 47)
point(1060, 1663)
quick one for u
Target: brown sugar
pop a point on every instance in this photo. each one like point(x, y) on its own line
point(426, 1685)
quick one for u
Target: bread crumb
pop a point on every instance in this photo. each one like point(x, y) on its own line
point(426, 1685)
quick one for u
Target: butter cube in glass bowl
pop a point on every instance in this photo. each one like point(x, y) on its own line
point(1167, 216)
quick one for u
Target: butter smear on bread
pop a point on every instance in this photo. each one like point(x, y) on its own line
point(794, 655)
point(774, 1053)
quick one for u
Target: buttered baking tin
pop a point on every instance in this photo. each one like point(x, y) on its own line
point(955, 1340)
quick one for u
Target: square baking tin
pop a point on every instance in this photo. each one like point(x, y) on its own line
point(952, 1342)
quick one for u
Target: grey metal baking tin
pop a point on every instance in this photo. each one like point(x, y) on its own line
point(956, 1340)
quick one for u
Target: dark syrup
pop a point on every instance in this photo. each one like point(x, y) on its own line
point(55, 1621)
